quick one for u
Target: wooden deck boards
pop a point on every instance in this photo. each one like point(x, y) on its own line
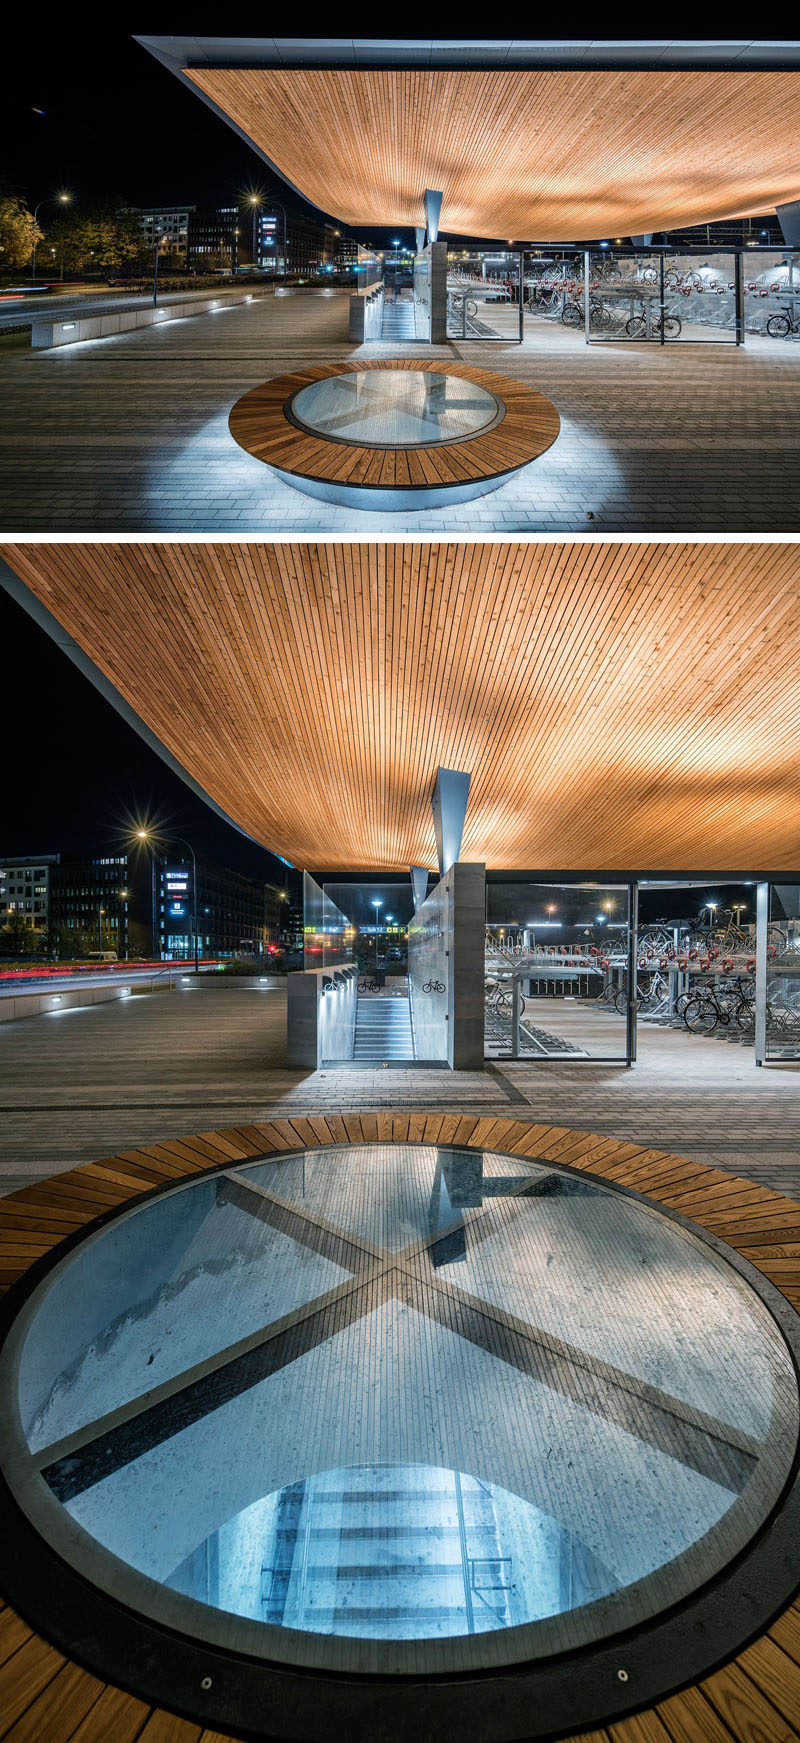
point(753, 1699)
point(259, 424)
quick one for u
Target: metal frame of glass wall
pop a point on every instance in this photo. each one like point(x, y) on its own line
point(512, 960)
point(472, 301)
point(777, 1016)
point(665, 294)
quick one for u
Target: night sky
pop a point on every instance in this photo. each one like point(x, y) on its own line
point(93, 112)
point(76, 776)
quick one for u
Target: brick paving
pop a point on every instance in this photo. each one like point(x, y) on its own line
point(81, 1085)
point(130, 434)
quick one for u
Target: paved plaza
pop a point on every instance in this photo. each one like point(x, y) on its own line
point(81, 1085)
point(130, 433)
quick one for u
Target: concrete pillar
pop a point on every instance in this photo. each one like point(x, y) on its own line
point(449, 802)
point(465, 944)
point(433, 209)
point(789, 220)
point(438, 293)
point(419, 885)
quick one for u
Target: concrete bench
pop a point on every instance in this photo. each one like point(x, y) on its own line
point(74, 329)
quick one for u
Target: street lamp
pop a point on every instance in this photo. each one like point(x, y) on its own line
point(255, 201)
point(62, 199)
point(146, 836)
point(159, 241)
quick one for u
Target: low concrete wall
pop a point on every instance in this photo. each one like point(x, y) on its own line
point(321, 1016)
point(21, 1004)
point(366, 314)
point(74, 329)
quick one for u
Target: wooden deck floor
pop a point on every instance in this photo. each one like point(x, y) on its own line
point(755, 1698)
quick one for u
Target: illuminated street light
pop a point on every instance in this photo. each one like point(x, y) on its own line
point(147, 837)
point(62, 199)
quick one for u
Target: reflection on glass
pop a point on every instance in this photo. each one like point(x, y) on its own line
point(395, 408)
point(394, 1552)
point(328, 934)
point(556, 970)
point(783, 972)
point(407, 1394)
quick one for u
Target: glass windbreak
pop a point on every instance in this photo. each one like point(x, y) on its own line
point(556, 971)
point(631, 297)
point(377, 916)
point(483, 295)
point(422, 295)
point(396, 1407)
point(783, 973)
point(771, 287)
point(328, 936)
point(553, 293)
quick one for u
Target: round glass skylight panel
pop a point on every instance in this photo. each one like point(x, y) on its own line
point(395, 1409)
point(395, 408)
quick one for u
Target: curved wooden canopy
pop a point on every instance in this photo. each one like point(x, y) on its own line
point(619, 706)
point(529, 153)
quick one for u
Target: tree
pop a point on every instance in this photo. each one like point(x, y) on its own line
point(18, 232)
point(100, 238)
point(17, 936)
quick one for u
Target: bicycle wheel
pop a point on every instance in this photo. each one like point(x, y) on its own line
point(700, 1016)
point(673, 327)
point(635, 327)
point(745, 1015)
point(779, 326)
point(571, 315)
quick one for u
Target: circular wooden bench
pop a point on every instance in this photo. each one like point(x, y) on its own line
point(46, 1697)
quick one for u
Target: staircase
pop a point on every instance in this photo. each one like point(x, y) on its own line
point(383, 1030)
point(398, 319)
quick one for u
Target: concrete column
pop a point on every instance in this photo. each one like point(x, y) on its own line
point(466, 922)
point(438, 293)
point(789, 220)
point(449, 801)
point(433, 209)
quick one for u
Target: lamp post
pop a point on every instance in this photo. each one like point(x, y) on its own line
point(146, 835)
point(159, 240)
point(62, 199)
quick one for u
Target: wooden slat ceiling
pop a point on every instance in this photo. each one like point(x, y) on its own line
point(529, 154)
point(617, 705)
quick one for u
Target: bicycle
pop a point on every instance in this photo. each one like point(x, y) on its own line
point(708, 1008)
point(785, 325)
point(671, 324)
point(369, 986)
point(434, 986)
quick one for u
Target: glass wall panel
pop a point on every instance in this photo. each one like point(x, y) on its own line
point(661, 297)
point(483, 295)
point(771, 284)
point(553, 292)
point(700, 293)
point(783, 973)
point(557, 961)
point(422, 295)
point(376, 916)
point(327, 933)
